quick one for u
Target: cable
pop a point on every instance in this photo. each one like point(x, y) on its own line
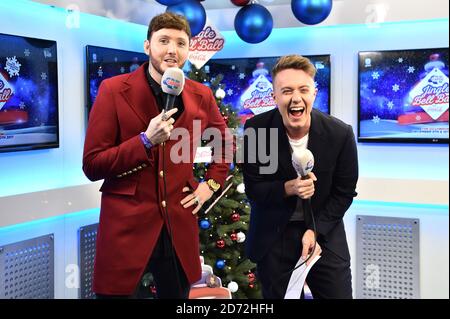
point(314, 247)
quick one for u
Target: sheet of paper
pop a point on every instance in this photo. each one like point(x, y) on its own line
point(298, 277)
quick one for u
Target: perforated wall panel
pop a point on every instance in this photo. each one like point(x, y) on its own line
point(387, 258)
point(27, 269)
point(87, 240)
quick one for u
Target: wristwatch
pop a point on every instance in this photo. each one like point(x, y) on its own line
point(213, 185)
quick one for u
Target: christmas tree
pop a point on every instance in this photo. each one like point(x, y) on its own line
point(224, 219)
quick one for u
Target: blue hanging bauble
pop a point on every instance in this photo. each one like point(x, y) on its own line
point(194, 13)
point(253, 23)
point(311, 11)
point(205, 224)
point(220, 264)
point(168, 2)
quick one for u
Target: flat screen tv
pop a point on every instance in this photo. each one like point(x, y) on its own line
point(28, 94)
point(103, 63)
point(403, 96)
point(248, 83)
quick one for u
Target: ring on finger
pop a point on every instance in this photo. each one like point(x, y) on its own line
point(196, 200)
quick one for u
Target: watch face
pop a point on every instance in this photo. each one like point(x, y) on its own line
point(213, 184)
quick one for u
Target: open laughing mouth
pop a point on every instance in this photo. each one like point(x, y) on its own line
point(296, 111)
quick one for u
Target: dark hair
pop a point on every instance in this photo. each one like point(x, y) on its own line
point(168, 20)
point(293, 61)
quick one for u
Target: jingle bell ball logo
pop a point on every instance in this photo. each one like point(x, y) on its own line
point(172, 83)
point(432, 94)
point(6, 91)
point(205, 44)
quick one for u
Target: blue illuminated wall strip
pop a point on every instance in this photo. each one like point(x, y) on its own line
point(35, 223)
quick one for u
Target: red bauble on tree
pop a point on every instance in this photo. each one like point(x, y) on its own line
point(225, 118)
point(251, 286)
point(235, 217)
point(251, 277)
point(220, 243)
point(240, 3)
point(233, 236)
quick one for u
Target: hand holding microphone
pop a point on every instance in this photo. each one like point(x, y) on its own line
point(303, 162)
point(160, 127)
point(303, 186)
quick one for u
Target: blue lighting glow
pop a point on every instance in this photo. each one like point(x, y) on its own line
point(401, 205)
point(55, 219)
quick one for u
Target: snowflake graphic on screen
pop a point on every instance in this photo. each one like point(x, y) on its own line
point(411, 69)
point(390, 105)
point(395, 87)
point(241, 76)
point(376, 119)
point(26, 52)
point(230, 92)
point(12, 66)
point(400, 60)
point(43, 76)
point(375, 75)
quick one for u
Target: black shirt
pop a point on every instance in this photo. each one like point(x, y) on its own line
point(160, 96)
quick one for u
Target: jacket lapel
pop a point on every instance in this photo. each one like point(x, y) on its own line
point(138, 95)
point(316, 141)
point(284, 148)
point(192, 99)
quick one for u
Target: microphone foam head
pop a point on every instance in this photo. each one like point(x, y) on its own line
point(172, 81)
point(303, 162)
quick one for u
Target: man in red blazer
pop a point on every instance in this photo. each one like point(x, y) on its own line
point(146, 224)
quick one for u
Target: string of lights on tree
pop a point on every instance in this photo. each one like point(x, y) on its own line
point(247, 22)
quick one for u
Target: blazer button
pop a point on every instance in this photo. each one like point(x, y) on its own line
point(130, 172)
point(119, 176)
point(139, 167)
point(161, 173)
point(135, 170)
point(163, 203)
point(144, 165)
point(124, 174)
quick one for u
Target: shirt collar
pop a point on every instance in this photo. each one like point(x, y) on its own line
point(155, 86)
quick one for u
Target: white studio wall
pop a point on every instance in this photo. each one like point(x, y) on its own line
point(397, 180)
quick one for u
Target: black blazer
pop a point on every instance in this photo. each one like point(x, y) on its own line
point(332, 143)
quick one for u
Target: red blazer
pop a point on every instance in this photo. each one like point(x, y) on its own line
point(131, 214)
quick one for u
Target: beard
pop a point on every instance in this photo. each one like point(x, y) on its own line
point(157, 66)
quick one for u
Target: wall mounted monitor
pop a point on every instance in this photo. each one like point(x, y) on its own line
point(403, 96)
point(103, 63)
point(28, 94)
point(248, 83)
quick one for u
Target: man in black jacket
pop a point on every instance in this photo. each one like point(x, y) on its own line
point(283, 226)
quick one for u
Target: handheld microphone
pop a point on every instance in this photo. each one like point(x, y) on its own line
point(303, 162)
point(172, 83)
